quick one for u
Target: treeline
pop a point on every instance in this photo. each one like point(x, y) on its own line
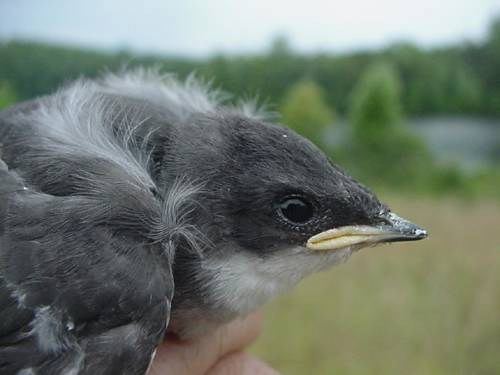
point(372, 91)
point(456, 79)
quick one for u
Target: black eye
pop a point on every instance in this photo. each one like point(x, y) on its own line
point(296, 209)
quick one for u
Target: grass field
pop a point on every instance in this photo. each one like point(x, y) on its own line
point(430, 307)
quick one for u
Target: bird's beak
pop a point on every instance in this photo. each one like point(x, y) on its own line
point(393, 229)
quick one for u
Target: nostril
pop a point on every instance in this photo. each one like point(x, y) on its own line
point(380, 218)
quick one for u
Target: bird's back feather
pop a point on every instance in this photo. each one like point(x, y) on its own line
point(87, 237)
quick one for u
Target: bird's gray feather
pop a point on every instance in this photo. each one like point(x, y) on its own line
point(87, 237)
point(111, 167)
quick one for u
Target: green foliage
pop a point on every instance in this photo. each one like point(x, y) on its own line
point(7, 95)
point(455, 79)
point(382, 147)
point(485, 183)
point(305, 110)
point(375, 108)
point(483, 61)
point(451, 179)
point(491, 59)
point(440, 81)
point(448, 179)
point(280, 46)
point(464, 91)
point(382, 151)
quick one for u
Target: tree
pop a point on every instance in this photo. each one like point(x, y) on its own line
point(491, 63)
point(382, 147)
point(280, 45)
point(376, 108)
point(7, 95)
point(305, 110)
point(464, 91)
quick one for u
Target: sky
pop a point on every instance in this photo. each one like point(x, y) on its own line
point(199, 28)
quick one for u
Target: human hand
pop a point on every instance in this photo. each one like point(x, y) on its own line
point(220, 353)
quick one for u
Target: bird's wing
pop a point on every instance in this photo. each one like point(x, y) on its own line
point(77, 295)
point(86, 236)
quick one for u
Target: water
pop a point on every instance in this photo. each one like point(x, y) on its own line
point(469, 142)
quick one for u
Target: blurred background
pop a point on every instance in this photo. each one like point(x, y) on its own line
point(404, 95)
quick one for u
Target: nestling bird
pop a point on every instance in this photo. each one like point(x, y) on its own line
point(134, 202)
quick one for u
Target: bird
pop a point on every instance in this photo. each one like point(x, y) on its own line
point(135, 204)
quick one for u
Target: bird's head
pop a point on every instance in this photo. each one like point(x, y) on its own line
point(274, 208)
point(267, 190)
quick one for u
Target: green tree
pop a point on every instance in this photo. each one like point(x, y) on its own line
point(492, 62)
point(305, 110)
point(280, 45)
point(465, 91)
point(7, 95)
point(382, 147)
point(376, 108)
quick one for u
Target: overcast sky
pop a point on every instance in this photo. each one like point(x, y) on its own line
point(201, 27)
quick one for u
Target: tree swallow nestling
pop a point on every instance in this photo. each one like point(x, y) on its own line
point(135, 204)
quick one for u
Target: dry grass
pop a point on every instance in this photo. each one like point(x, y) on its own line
point(431, 307)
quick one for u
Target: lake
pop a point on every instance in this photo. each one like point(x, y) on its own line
point(472, 143)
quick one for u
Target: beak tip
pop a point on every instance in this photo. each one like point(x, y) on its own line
point(408, 230)
point(420, 234)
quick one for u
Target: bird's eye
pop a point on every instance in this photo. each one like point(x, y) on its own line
point(296, 210)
